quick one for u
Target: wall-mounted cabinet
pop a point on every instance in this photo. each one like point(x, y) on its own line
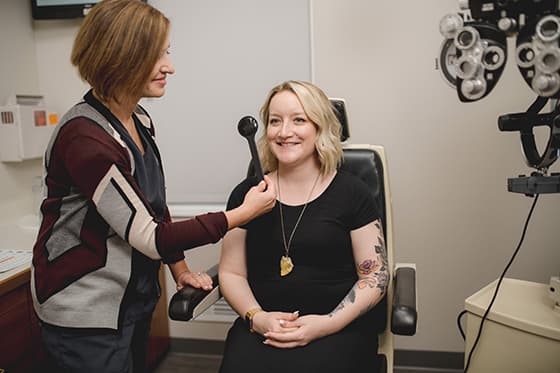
point(25, 128)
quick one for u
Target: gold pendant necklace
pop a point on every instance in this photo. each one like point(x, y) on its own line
point(286, 264)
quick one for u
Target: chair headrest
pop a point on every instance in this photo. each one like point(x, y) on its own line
point(339, 106)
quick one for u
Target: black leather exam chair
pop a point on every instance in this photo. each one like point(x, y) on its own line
point(368, 162)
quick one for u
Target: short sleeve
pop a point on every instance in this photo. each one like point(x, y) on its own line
point(364, 209)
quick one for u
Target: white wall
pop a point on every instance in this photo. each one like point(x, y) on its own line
point(226, 59)
point(448, 162)
point(18, 72)
point(58, 79)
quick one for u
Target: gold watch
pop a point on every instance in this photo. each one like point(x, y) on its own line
point(249, 318)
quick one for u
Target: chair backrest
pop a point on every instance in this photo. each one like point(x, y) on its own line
point(369, 163)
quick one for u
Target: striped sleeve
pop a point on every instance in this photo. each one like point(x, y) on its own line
point(100, 168)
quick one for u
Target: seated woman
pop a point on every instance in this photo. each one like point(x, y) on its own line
point(306, 276)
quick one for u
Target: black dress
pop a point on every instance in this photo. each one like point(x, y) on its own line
point(324, 272)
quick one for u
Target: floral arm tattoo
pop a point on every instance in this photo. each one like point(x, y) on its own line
point(376, 275)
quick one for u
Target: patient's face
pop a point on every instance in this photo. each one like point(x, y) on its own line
point(291, 135)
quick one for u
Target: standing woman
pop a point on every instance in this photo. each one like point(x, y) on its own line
point(106, 226)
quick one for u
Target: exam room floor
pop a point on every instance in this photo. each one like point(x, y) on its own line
point(195, 363)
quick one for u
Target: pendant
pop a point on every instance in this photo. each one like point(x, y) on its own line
point(286, 265)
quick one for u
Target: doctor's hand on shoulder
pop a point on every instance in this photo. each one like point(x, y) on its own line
point(259, 199)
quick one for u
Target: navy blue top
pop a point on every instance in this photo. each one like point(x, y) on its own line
point(143, 289)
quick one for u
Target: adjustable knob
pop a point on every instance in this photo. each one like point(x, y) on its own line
point(472, 87)
point(449, 25)
point(507, 25)
point(546, 85)
point(543, 82)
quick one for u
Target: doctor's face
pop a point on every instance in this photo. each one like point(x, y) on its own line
point(155, 87)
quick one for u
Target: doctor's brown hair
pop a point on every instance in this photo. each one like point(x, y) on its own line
point(118, 45)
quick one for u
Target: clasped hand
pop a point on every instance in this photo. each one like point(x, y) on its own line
point(288, 330)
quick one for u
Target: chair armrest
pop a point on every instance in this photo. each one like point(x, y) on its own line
point(189, 302)
point(403, 314)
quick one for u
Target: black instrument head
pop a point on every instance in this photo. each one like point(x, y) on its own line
point(247, 126)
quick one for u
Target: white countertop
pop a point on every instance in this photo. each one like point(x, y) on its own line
point(7, 276)
point(19, 234)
